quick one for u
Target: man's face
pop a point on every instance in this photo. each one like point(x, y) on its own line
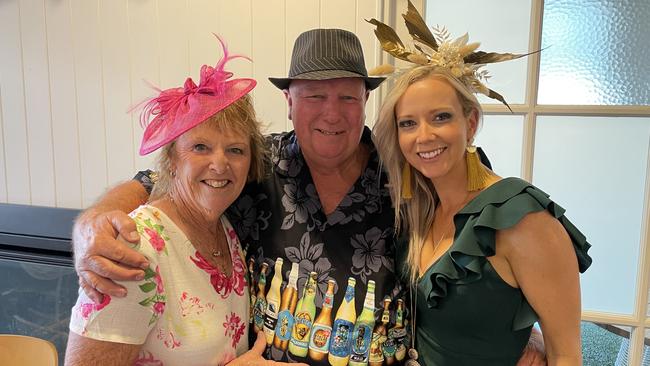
point(328, 118)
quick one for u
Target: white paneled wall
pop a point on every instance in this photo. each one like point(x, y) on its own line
point(70, 69)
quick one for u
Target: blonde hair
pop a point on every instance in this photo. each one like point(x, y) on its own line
point(414, 215)
point(239, 117)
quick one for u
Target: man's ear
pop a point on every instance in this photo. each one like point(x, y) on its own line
point(287, 95)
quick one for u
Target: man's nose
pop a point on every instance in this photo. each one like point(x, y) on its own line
point(332, 110)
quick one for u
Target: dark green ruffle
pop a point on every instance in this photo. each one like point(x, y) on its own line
point(500, 206)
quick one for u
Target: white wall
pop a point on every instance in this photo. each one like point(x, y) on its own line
point(69, 70)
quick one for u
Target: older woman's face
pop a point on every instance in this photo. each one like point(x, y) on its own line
point(211, 168)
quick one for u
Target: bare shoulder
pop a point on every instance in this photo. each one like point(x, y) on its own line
point(537, 231)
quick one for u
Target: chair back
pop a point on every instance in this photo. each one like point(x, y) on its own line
point(19, 350)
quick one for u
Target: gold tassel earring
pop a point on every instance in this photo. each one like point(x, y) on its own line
point(477, 174)
point(406, 181)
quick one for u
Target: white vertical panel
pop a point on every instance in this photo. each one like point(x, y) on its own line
point(3, 175)
point(301, 15)
point(37, 102)
point(114, 34)
point(368, 9)
point(269, 49)
point(65, 138)
point(144, 49)
point(202, 44)
point(234, 20)
point(88, 80)
point(13, 104)
point(173, 16)
point(339, 14)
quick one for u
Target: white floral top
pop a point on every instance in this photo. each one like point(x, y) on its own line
point(185, 311)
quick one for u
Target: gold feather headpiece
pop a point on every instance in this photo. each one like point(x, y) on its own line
point(462, 59)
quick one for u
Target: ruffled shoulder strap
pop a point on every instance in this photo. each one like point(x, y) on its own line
point(499, 207)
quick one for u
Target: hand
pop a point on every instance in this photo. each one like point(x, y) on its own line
point(535, 353)
point(100, 257)
point(254, 356)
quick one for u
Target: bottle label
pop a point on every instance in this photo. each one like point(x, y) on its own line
point(284, 325)
point(341, 335)
point(361, 342)
point(397, 334)
point(260, 305)
point(376, 354)
point(320, 338)
point(301, 328)
point(389, 347)
point(271, 317)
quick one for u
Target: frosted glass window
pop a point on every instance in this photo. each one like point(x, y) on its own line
point(501, 139)
point(501, 26)
point(596, 52)
point(595, 167)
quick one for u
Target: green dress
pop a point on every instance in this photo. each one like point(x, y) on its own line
point(466, 314)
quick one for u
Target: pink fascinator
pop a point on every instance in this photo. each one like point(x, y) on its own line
point(178, 110)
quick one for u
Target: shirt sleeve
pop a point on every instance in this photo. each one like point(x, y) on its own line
point(129, 319)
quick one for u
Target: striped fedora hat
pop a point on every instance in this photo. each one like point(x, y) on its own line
point(321, 54)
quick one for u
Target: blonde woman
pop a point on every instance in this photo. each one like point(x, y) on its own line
point(487, 256)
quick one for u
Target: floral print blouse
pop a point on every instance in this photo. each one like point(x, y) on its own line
point(185, 311)
point(283, 217)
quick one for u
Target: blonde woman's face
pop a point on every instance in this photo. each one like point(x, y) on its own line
point(431, 128)
point(211, 168)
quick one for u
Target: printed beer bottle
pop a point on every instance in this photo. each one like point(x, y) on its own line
point(342, 329)
point(260, 299)
point(398, 332)
point(273, 303)
point(319, 341)
point(287, 307)
point(379, 336)
point(304, 318)
point(362, 334)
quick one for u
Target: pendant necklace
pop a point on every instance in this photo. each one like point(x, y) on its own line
point(413, 353)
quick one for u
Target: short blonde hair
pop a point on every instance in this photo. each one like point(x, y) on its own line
point(416, 214)
point(239, 117)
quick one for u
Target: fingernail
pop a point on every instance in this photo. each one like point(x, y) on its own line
point(139, 277)
point(144, 265)
point(133, 235)
point(120, 293)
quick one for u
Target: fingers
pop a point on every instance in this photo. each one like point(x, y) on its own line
point(124, 225)
point(94, 286)
point(92, 294)
point(260, 344)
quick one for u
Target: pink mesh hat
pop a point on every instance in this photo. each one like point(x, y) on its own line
point(178, 110)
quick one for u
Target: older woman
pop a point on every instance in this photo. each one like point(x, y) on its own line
point(192, 306)
point(487, 256)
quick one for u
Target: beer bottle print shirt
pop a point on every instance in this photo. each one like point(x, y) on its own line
point(283, 217)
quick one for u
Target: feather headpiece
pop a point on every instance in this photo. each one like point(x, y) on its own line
point(462, 59)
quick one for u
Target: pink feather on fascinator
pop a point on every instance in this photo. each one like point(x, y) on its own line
point(177, 110)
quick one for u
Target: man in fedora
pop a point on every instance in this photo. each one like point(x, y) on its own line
point(324, 205)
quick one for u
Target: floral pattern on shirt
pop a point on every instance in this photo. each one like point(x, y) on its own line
point(157, 299)
point(234, 328)
point(146, 358)
point(369, 250)
point(154, 231)
point(221, 283)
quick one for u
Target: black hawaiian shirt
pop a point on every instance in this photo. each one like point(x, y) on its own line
point(283, 217)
